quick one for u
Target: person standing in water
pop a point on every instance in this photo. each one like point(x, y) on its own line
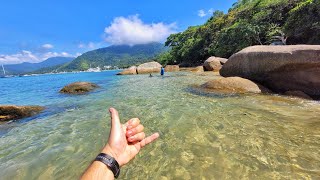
point(162, 71)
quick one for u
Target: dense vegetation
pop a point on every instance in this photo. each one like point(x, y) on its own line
point(120, 56)
point(247, 23)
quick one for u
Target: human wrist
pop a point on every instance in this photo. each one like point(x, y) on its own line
point(108, 150)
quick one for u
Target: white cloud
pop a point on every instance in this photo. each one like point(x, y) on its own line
point(47, 46)
point(210, 12)
point(28, 56)
point(202, 13)
point(132, 30)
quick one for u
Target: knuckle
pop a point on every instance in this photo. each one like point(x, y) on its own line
point(140, 127)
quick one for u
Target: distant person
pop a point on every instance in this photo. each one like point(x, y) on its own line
point(125, 142)
point(150, 75)
point(162, 71)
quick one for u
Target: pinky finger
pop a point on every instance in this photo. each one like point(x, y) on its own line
point(149, 139)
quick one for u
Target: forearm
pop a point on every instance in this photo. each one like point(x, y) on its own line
point(97, 171)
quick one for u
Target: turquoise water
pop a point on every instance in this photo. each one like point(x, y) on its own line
point(203, 135)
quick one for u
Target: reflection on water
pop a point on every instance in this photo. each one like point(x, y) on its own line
point(203, 136)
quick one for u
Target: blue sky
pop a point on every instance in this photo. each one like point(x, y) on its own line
point(31, 31)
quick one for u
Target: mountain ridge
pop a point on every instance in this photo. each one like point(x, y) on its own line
point(27, 67)
point(120, 56)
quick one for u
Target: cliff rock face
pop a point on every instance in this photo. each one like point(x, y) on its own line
point(12, 112)
point(78, 88)
point(149, 67)
point(280, 68)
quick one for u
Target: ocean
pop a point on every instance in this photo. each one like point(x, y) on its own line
point(202, 135)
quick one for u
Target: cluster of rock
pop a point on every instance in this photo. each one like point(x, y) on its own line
point(211, 64)
point(146, 68)
point(292, 70)
point(13, 112)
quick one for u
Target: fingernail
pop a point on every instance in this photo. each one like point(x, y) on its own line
point(129, 132)
point(129, 127)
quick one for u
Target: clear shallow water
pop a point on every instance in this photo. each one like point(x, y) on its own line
point(203, 136)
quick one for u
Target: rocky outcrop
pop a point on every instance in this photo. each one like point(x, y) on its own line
point(232, 85)
point(150, 67)
point(214, 63)
point(193, 69)
point(172, 68)
point(280, 68)
point(12, 112)
point(129, 71)
point(78, 88)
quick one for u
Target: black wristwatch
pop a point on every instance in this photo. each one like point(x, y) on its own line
point(110, 162)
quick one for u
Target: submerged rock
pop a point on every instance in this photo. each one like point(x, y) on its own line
point(150, 67)
point(78, 88)
point(213, 63)
point(280, 68)
point(172, 68)
point(232, 85)
point(12, 112)
point(129, 71)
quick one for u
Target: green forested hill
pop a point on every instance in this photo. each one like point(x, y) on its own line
point(247, 23)
point(120, 56)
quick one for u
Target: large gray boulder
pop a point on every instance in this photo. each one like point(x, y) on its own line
point(129, 71)
point(280, 68)
point(149, 67)
point(12, 112)
point(214, 63)
point(232, 85)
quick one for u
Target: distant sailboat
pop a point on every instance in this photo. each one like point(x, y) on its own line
point(4, 73)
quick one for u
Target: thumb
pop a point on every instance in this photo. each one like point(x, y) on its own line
point(115, 121)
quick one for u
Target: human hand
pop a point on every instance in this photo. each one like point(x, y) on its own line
point(126, 140)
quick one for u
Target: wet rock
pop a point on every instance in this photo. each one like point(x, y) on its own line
point(150, 67)
point(79, 88)
point(172, 68)
point(299, 94)
point(12, 112)
point(280, 68)
point(213, 63)
point(193, 69)
point(129, 71)
point(232, 85)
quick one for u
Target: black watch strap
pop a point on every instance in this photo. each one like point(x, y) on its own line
point(110, 162)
